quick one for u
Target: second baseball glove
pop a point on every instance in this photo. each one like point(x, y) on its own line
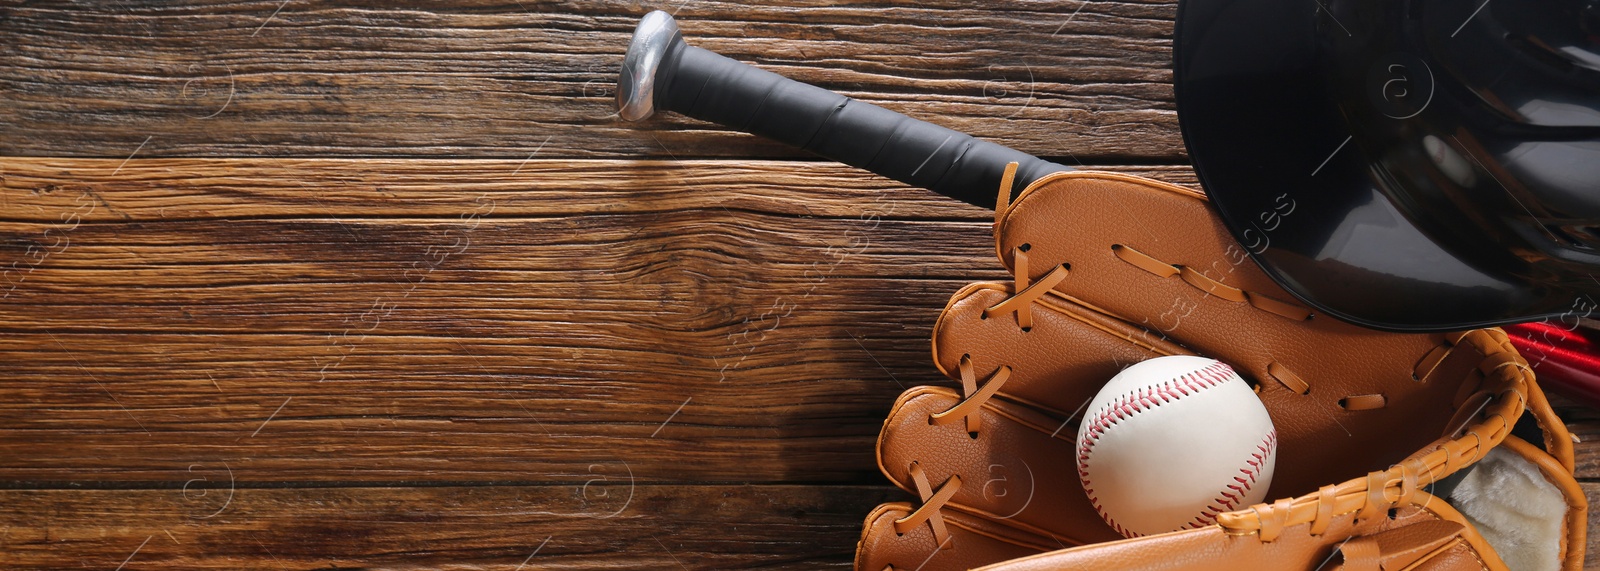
point(1113, 269)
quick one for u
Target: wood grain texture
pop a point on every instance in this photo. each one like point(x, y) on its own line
point(283, 362)
point(54, 190)
point(1085, 81)
point(401, 321)
point(594, 525)
point(1584, 423)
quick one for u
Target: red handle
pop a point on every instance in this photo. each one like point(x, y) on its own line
point(1565, 359)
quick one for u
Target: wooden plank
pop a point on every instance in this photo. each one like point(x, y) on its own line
point(495, 320)
point(1586, 453)
point(495, 78)
point(1584, 424)
point(600, 524)
point(398, 409)
point(62, 190)
point(587, 525)
point(1591, 558)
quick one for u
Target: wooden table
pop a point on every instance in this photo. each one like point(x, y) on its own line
point(295, 284)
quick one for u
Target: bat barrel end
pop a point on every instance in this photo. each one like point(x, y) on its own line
point(655, 36)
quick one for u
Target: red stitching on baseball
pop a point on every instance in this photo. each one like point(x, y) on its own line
point(1226, 502)
point(1139, 400)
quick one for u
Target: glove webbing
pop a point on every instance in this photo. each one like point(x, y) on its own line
point(1503, 394)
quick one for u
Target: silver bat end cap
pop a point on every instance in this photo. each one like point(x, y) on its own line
point(636, 83)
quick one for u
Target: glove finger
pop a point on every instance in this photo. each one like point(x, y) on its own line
point(971, 541)
point(1018, 470)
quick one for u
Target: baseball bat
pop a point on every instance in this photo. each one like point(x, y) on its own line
point(662, 72)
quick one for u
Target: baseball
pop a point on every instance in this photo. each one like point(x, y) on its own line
point(1171, 442)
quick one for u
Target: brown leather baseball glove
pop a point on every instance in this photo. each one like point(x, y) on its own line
point(1380, 435)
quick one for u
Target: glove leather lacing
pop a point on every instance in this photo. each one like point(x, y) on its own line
point(932, 501)
point(973, 396)
point(1206, 284)
point(1220, 290)
point(1025, 293)
point(1487, 411)
point(1020, 303)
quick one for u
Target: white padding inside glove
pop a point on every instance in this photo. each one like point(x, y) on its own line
point(1518, 511)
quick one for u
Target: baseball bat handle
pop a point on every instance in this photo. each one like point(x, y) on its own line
point(662, 72)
